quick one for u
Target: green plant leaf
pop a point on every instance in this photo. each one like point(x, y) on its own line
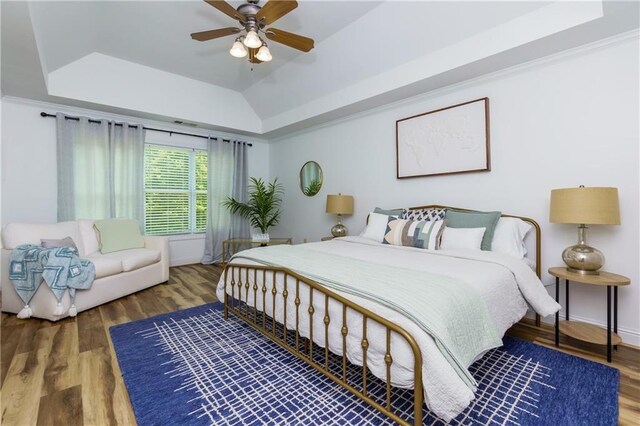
point(263, 206)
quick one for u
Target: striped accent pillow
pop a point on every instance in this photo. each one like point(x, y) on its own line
point(429, 236)
point(412, 233)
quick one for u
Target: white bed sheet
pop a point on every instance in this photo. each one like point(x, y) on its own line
point(446, 394)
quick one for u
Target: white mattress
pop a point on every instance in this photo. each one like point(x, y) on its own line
point(446, 394)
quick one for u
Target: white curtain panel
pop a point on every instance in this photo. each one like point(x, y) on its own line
point(100, 169)
point(227, 177)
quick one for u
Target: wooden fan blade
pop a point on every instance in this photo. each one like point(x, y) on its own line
point(289, 39)
point(274, 10)
point(252, 55)
point(211, 34)
point(226, 8)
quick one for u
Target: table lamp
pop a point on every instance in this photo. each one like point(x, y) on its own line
point(339, 204)
point(584, 206)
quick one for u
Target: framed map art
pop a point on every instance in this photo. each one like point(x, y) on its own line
point(449, 140)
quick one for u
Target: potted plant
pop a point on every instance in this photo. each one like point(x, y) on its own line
point(263, 207)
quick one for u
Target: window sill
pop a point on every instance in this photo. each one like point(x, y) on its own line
point(186, 237)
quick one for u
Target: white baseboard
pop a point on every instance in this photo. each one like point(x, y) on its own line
point(184, 261)
point(629, 337)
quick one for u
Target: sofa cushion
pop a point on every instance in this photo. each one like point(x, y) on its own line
point(118, 234)
point(64, 242)
point(89, 237)
point(15, 234)
point(105, 266)
point(133, 259)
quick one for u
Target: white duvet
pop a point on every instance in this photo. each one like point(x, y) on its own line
point(506, 285)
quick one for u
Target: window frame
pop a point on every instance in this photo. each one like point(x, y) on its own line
point(191, 190)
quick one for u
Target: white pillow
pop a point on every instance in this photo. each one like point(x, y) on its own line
point(508, 237)
point(462, 238)
point(376, 227)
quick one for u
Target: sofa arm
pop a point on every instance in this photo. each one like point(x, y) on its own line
point(161, 244)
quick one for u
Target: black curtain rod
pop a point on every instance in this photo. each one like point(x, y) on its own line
point(171, 132)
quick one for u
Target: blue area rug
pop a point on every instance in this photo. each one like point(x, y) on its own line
point(193, 367)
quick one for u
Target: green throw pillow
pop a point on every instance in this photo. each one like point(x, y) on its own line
point(118, 234)
point(472, 219)
point(392, 212)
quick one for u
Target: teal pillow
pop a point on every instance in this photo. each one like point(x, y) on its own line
point(473, 219)
point(392, 212)
point(118, 234)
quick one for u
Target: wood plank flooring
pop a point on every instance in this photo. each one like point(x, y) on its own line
point(66, 373)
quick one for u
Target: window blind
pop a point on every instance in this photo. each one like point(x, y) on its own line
point(175, 181)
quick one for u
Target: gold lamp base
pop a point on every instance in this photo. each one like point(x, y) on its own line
point(581, 258)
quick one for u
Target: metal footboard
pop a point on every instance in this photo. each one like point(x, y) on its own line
point(251, 289)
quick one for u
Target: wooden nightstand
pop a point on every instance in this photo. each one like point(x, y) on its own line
point(589, 332)
point(327, 238)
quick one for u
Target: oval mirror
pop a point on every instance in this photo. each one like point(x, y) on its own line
point(310, 178)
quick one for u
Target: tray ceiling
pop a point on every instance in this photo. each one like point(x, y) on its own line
point(136, 57)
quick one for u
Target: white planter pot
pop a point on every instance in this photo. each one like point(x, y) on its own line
point(260, 238)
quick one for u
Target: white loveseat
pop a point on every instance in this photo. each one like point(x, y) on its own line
point(117, 274)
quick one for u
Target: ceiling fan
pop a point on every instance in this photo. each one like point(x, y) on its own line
point(254, 19)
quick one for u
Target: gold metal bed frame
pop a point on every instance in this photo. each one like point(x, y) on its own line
point(238, 277)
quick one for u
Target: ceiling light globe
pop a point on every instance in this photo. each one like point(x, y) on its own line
point(252, 40)
point(238, 50)
point(264, 54)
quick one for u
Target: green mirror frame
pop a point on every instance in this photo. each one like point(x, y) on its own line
point(310, 178)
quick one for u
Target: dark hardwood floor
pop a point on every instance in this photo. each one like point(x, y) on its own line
point(66, 373)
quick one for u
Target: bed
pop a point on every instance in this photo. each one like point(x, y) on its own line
point(413, 318)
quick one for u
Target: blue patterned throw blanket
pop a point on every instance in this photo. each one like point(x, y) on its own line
point(59, 267)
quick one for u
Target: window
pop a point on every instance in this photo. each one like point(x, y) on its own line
point(175, 186)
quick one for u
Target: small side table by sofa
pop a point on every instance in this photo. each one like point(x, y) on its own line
point(233, 244)
point(589, 332)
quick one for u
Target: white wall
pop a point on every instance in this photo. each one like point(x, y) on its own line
point(562, 122)
point(29, 188)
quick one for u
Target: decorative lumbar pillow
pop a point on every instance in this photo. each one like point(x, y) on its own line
point(118, 234)
point(426, 236)
point(462, 238)
point(509, 235)
point(376, 226)
point(473, 219)
point(427, 214)
point(400, 232)
point(65, 242)
point(388, 212)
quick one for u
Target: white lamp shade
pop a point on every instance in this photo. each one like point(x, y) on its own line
point(238, 50)
point(252, 40)
point(263, 54)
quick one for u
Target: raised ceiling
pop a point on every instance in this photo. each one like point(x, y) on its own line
point(137, 58)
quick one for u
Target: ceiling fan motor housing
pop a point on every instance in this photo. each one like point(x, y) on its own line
point(249, 11)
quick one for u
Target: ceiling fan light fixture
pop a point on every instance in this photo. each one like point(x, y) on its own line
point(252, 39)
point(264, 54)
point(238, 50)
